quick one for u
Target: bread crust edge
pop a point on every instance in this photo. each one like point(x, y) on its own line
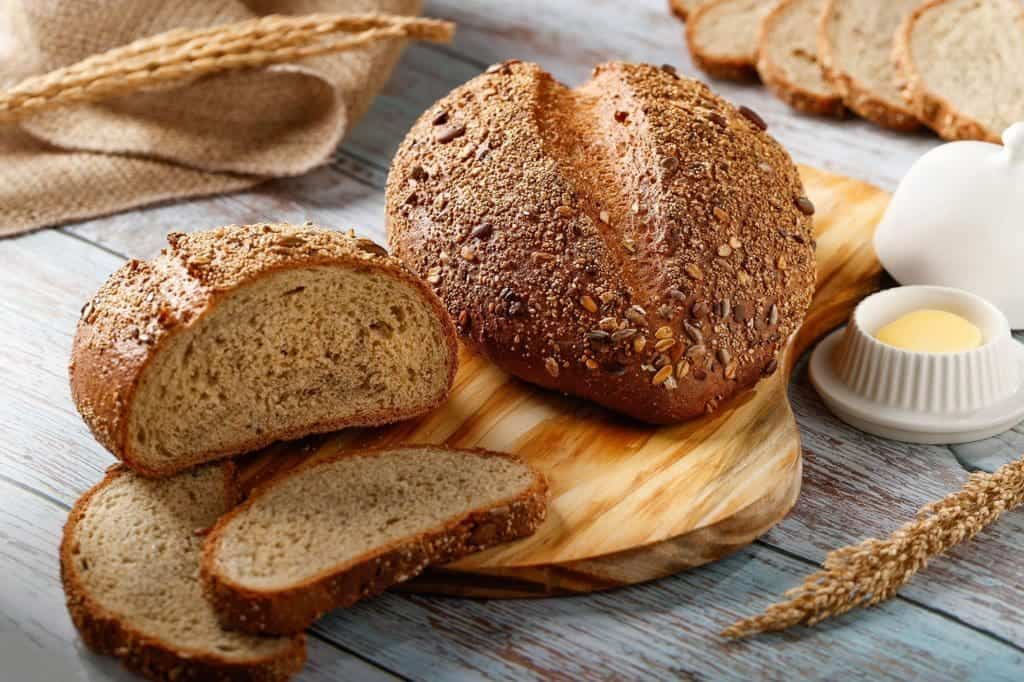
point(858, 97)
point(94, 375)
point(107, 634)
point(726, 68)
point(782, 87)
point(293, 609)
point(934, 110)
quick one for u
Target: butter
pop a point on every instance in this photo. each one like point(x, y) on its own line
point(930, 331)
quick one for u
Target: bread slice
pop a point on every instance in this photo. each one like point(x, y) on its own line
point(337, 530)
point(855, 45)
point(787, 58)
point(722, 37)
point(130, 567)
point(683, 8)
point(962, 65)
point(235, 338)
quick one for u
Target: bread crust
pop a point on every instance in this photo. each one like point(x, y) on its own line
point(107, 634)
point(934, 110)
point(860, 98)
point(145, 303)
point(726, 68)
point(292, 610)
point(790, 92)
point(679, 8)
point(551, 295)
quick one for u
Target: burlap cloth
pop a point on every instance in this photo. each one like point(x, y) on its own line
point(218, 134)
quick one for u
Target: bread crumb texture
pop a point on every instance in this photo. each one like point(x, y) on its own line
point(333, 515)
point(636, 240)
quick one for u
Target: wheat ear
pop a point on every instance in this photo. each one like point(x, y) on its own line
point(865, 574)
point(183, 55)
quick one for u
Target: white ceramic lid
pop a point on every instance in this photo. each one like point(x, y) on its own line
point(957, 220)
point(922, 397)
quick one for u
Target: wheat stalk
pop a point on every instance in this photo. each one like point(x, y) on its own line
point(183, 55)
point(871, 572)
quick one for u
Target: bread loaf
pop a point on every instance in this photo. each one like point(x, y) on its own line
point(855, 46)
point(338, 530)
point(722, 36)
point(962, 65)
point(241, 336)
point(637, 241)
point(130, 567)
point(787, 58)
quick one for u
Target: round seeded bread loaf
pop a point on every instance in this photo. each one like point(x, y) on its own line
point(234, 338)
point(637, 241)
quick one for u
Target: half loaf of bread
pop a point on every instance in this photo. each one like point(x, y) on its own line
point(722, 36)
point(235, 338)
point(337, 530)
point(787, 58)
point(962, 65)
point(855, 45)
point(637, 241)
point(130, 567)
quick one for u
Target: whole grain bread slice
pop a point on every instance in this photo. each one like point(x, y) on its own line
point(855, 44)
point(962, 66)
point(130, 568)
point(787, 58)
point(234, 338)
point(683, 8)
point(337, 530)
point(722, 37)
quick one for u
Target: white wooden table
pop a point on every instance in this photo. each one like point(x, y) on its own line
point(961, 619)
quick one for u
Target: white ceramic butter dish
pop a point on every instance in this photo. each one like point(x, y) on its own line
point(922, 397)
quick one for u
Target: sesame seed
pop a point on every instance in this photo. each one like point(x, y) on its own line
point(448, 133)
point(604, 217)
point(694, 271)
point(551, 366)
point(468, 253)
point(639, 343)
point(724, 250)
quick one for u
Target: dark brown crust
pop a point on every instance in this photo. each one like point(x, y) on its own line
point(932, 109)
point(145, 303)
point(788, 91)
point(293, 610)
point(725, 68)
point(701, 175)
point(857, 96)
point(107, 634)
point(679, 9)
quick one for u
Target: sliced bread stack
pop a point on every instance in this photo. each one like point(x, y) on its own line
point(953, 65)
point(227, 341)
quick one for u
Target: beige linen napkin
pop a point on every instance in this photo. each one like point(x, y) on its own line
point(213, 135)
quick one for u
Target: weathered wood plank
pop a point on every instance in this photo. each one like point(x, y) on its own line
point(858, 486)
point(665, 630)
point(37, 638)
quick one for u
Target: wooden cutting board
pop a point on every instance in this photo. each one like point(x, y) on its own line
point(632, 502)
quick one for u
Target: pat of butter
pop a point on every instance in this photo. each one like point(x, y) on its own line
point(930, 331)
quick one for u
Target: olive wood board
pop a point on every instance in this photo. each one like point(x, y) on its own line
point(631, 502)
